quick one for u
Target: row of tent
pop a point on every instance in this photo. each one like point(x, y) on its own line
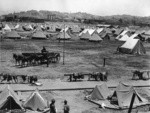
point(121, 97)
point(15, 35)
point(96, 34)
point(36, 35)
point(132, 41)
point(110, 34)
point(29, 27)
point(9, 100)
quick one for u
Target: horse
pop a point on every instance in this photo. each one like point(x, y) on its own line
point(52, 57)
point(9, 78)
point(23, 77)
point(25, 61)
point(18, 58)
point(32, 79)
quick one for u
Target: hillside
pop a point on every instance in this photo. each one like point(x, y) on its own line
point(88, 18)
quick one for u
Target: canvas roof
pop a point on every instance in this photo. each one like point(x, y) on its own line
point(124, 94)
point(75, 29)
point(135, 36)
point(91, 31)
point(122, 34)
point(147, 32)
point(107, 30)
point(19, 28)
point(124, 38)
point(130, 43)
point(9, 99)
point(65, 29)
point(35, 101)
point(132, 46)
point(124, 97)
point(39, 34)
point(28, 27)
point(62, 36)
point(83, 32)
point(95, 37)
point(85, 35)
point(123, 87)
point(11, 26)
point(99, 30)
point(118, 31)
point(100, 92)
point(7, 28)
point(13, 34)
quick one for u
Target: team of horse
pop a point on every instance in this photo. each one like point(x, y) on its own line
point(11, 78)
point(31, 59)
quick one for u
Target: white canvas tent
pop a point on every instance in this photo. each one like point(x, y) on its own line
point(100, 92)
point(39, 35)
point(132, 46)
point(123, 95)
point(63, 36)
point(7, 28)
point(124, 38)
point(99, 30)
point(95, 38)
point(85, 36)
point(122, 34)
point(35, 101)
point(83, 32)
point(9, 99)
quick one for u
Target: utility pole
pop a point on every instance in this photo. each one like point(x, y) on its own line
point(64, 46)
point(104, 62)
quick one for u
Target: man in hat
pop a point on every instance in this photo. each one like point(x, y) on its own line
point(66, 107)
point(52, 106)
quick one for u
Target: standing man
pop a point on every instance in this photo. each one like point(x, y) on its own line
point(43, 50)
point(52, 106)
point(66, 107)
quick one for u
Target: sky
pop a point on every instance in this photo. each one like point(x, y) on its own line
point(96, 7)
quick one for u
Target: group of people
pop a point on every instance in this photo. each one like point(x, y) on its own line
point(66, 107)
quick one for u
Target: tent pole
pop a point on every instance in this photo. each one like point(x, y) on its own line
point(131, 103)
point(64, 47)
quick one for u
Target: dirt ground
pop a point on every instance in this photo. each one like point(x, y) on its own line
point(80, 56)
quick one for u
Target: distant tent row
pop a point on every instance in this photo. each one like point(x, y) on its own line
point(121, 96)
point(10, 100)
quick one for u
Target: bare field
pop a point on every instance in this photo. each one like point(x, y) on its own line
point(80, 56)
